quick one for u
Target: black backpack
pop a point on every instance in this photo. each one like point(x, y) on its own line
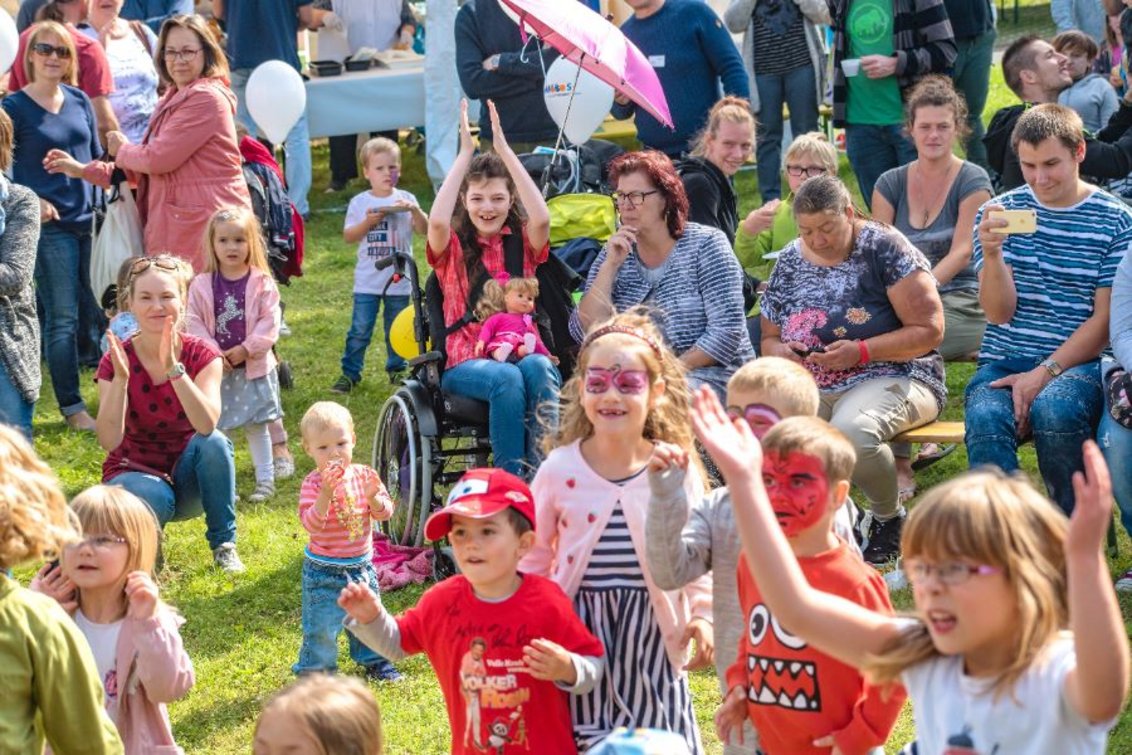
point(272, 207)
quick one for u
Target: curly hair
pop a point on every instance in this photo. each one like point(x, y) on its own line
point(492, 300)
point(35, 522)
point(937, 91)
point(660, 171)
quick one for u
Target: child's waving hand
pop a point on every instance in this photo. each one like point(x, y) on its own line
point(732, 445)
point(550, 661)
point(1092, 510)
point(667, 456)
point(360, 603)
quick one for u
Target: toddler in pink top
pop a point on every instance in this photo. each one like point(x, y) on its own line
point(338, 502)
point(509, 330)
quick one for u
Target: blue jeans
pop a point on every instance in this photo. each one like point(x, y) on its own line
point(1062, 417)
point(14, 410)
point(972, 78)
point(204, 478)
point(796, 88)
point(296, 148)
point(873, 150)
point(524, 402)
point(361, 333)
point(71, 316)
point(322, 617)
point(1115, 441)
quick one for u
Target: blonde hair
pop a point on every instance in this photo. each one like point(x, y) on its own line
point(730, 109)
point(784, 385)
point(815, 437)
point(243, 217)
point(7, 139)
point(376, 146)
point(325, 414)
point(52, 27)
point(339, 711)
point(35, 522)
point(814, 144)
point(492, 301)
point(166, 264)
point(113, 510)
point(989, 517)
point(668, 420)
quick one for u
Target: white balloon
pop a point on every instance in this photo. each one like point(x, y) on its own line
point(9, 41)
point(586, 97)
point(276, 98)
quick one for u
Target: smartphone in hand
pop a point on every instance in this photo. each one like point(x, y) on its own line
point(1018, 221)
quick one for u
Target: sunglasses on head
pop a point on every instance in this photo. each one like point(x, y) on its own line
point(45, 50)
point(755, 415)
point(627, 382)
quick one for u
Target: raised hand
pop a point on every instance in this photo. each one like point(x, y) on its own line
point(118, 357)
point(1092, 507)
point(380, 504)
point(731, 444)
point(549, 662)
point(357, 600)
point(667, 456)
point(467, 146)
point(498, 139)
point(141, 596)
point(167, 348)
point(51, 581)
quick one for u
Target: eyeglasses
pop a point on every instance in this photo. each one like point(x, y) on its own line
point(627, 382)
point(46, 50)
point(809, 171)
point(187, 54)
point(634, 198)
point(756, 415)
point(99, 542)
point(951, 573)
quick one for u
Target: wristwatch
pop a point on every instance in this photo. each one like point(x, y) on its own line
point(494, 61)
point(1052, 367)
point(176, 372)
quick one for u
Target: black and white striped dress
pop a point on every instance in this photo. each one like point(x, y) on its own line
point(640, 687)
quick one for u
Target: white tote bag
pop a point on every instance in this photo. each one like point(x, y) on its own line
point(116, 240)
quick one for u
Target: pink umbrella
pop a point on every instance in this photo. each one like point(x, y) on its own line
point(588, 39)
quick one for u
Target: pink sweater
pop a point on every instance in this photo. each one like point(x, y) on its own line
point(505, 327)
point(347, 529)
point(572, 507)
point(261, 317)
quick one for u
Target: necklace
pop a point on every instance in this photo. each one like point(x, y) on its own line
point(943, 186)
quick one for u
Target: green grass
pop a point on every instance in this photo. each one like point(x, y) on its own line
point(243, 633)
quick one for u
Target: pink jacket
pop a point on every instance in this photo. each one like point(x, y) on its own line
point(187, 168)
point(261, 318)
point(572, 506)
point(153, 669)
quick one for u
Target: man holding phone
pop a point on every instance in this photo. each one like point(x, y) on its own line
point(1046, 254)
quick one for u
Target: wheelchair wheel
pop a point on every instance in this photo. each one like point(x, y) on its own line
point(403, 459)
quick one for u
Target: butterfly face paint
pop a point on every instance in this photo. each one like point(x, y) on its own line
point(759, 416)
point(627, 382)
point(797, 489)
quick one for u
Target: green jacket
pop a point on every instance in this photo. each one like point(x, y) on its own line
point(750, 249)
point(48, 682)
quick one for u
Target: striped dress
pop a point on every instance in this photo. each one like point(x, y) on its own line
point(640, 687)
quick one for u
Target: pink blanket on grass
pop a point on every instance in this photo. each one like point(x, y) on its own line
point(399, 565)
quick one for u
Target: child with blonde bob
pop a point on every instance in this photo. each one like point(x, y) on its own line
point(509, 330)
point(106, 583)
point(234, 306)
point(320, 715)
point(997, 575)
point(628, 394)
point(51, 688)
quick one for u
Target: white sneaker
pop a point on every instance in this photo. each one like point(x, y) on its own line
point(1124, 584)
point(225, 557)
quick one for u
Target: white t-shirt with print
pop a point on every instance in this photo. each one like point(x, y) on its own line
point(394, 231)
point(103, 641)
point(954, 711)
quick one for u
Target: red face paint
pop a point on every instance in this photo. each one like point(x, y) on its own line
point(797, 489)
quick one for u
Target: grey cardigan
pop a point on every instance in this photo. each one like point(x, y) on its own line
point(19, 328)
point(814, 12)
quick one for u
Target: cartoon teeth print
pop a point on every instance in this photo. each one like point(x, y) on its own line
point(780, 682)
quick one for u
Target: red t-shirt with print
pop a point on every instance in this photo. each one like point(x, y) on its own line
point(476, 649)
point(157, 429)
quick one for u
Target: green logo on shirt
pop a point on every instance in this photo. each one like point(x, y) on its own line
point(870, 21)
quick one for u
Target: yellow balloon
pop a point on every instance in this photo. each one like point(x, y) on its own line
point(401, 334)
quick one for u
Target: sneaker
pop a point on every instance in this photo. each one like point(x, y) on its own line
point(896, 579)
point(284, 467)
point(343, 384)
point(225, 557)
point(1124, 584)
point(883, 542)
point(263, 491)
point(284, 328)
point(384, 671)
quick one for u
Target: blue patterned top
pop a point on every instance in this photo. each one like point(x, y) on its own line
point(1057, 270)
point(697, 302)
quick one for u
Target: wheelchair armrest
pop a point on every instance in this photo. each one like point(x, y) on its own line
point(426, 358)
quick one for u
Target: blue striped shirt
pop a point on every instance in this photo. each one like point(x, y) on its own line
point(1057, 270)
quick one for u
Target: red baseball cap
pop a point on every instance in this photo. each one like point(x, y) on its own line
point(482, 493)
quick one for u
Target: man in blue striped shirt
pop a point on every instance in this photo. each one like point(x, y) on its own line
point(1046, 297)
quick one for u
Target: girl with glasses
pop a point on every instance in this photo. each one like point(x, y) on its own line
point(628, 394)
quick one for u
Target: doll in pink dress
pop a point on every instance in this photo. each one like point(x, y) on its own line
point(509, 330)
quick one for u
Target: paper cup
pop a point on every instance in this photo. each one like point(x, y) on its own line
point(851, 66)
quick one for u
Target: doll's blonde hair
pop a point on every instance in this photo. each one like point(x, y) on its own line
point(340, 713)
point(246, 219)
point(492, 300)
point(989, 517)
point(113, 510)
point(35, 522)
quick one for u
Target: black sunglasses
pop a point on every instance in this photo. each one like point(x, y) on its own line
point(45, 50)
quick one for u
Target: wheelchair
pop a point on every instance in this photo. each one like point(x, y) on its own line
point(425, 438)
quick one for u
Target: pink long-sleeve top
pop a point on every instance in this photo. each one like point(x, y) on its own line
point(261, 318)
point(573, 505)
point(347, 529)
point(508, 327)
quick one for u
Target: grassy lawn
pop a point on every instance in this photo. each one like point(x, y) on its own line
point(243, 633)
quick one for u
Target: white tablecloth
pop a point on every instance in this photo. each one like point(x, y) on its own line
point(363, 101)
